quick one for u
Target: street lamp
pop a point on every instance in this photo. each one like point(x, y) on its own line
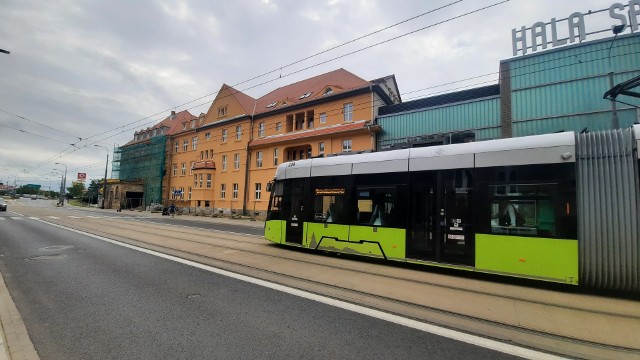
point(614, 111)
point(64, 184)
point(104, 186)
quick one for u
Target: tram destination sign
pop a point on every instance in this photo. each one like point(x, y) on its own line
point(575, 28)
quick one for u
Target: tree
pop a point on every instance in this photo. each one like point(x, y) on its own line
point(91, 195)
point(76, 190)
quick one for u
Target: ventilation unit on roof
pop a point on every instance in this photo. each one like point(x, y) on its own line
point(305, 96)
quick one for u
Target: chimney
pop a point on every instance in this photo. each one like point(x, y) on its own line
point(173, 115)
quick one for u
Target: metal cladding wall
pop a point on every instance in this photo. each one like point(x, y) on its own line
point(482, 115)
point(562, 89)
point(609, 207)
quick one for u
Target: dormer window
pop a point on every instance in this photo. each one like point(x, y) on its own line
point(184, 126)
point(272, 104)
point(222, 111)
point(193, 124)
point(304, 96)
point(328, 91)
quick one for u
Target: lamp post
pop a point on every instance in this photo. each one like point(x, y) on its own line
point(64, 184)
point(104, 186)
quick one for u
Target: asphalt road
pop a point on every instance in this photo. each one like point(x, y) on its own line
point(83, 298)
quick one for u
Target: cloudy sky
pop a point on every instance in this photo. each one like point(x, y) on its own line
point(87, 72)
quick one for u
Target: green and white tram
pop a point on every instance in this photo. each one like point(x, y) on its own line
point(559, 207)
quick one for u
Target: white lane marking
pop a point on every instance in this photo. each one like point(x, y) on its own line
point(16, 218)
point(34, 218)
point(396, 319)
point(94, 217)
point(1, 219)
point(53, 217)
point(74, 217)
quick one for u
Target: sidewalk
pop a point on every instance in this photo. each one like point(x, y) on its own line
point(13, 331)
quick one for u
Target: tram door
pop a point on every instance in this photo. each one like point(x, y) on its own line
point(295, 223)
point(441, 227)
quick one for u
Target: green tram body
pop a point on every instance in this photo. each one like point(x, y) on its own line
point(446, 206)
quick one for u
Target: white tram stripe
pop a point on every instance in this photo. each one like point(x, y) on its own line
point(396, 319)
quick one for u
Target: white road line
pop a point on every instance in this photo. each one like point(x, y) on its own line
point(34, 218)
point(1, 219)
point(396, 319)
point(53, 217)
point(94, 217)
point(16, 218)
point(75, 217)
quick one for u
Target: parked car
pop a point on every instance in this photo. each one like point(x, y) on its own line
point(34, 197)
point(3, 205)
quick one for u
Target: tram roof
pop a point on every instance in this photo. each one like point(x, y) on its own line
point(537, 149)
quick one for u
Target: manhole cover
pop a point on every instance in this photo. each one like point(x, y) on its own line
point(57, 247)
point(48, 257)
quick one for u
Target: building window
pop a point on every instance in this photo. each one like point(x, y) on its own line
point(185, 145)
point(173, 193)
point(223, 191)
point(177, 146)
point(259, 159)
point(207, 136)
point(189, 193)
point(194, 143)
point(222, 111)
point(206, 203)
point(224, 135)
point(200, 181)
point(195, 181)
point(275, 156)
point(235, 191)
point(321, 149)
point(346, 145)
point(181, 193)
point(348, 112)
point(261, 129)
point(208, 181)
point(175, 169)
point(184, 126)
point(238, 132)
point(224, 162)
point(191, 167)
point(193, 124)
point(278, 126)
point(236, 161)
point(258, 191)
point(184, 169)
point(323, 118)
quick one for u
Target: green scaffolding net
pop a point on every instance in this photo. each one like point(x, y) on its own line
point(144, 162)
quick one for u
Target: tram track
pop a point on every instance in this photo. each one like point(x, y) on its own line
point(230, 251)
point(230, 244)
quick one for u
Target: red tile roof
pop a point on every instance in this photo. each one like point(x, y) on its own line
point(204, 165)
point(172, 122)
point(339, 80)
point(327, 130)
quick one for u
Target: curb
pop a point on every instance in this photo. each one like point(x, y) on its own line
point(14, 336)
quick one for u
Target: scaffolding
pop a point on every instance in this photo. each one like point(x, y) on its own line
point(142, 162)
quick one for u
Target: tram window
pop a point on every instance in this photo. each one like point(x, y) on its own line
point(376, 206)
point(523, 209)
point(329, 205)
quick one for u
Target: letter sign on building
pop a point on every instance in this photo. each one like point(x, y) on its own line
point(574, 28)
